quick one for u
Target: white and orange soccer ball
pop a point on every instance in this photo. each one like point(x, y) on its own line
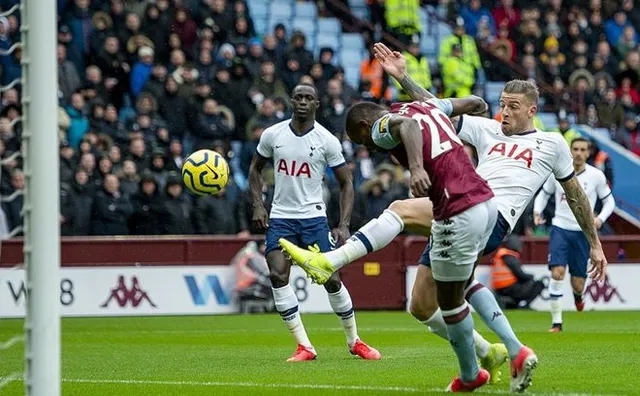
point(205, 172)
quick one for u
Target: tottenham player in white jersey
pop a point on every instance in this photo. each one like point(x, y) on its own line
point(301, 150)
point(515, 160)
point(567, 244)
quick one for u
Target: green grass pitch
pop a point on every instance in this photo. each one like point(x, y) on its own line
point(599, 353)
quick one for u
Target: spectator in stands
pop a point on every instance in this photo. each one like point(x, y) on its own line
point(474, 14)
point(115, 69)
point(372, 72)
point(469, 51)
point(129, 179)
point(79, 121)
point(211, 125)
point(267, 84)
point(13, 207)
point(333, 106)
point(185, 28)
point(216, 215)
point(458, 76)
point(615, 27)
point(264, 118)
point(601, 160)
point(110, 209)
point(403, 19)
point(178, 209)
point(506, 12)
point(148, 208)
point(564, 128)
point(610, 111)
point(627, 41)
point(68, 77)
point(141, 71)
point(76, 200)
point(417, 68)
point(629, 134)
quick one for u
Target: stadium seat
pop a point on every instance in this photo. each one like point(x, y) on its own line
point(310, 43)
point(260, 24)
point(443, 30)
point(329, 26)
point(549, 120)
point(358, 3)
point(305, 10)
point(305, 25)
point(492, 91)
point(350, 56)
point(352, 75)
point(429, 46)
point(361, 13)
point(281, 9)
point(352, 41)
point(327, 40)
point(258, 9)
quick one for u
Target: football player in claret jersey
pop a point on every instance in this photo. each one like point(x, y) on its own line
point(567, 244)
point(422, 139)
point(514, 172)
point(301, 150)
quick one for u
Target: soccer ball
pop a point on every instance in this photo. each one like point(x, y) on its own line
point(205, 172)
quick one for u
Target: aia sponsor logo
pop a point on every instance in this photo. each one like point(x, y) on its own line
point(294, 169)
point(513, 151)
point(604, 291)
point(132, 296)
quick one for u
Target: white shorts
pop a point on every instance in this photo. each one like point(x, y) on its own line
point(457, 242)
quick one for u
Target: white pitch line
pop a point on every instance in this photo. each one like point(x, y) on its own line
point(4, 381)
point(11, 342)
point(300, 386)
point(218, 384)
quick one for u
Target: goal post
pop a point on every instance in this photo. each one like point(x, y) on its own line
point(42, 197)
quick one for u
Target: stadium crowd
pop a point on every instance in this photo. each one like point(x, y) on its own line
point(143, 83)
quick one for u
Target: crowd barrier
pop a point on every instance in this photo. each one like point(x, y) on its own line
point(191, 275)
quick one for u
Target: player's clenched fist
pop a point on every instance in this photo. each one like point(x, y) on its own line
point(260, 218)
point(420, 182)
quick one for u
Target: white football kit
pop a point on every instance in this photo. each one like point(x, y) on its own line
point(300, 164)
point(595, 186)
point(515, 166)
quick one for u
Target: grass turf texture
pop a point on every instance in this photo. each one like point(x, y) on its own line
point(599, 353)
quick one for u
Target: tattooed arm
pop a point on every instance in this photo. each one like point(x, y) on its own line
point(581, 208)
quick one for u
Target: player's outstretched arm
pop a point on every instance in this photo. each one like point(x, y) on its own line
point(345, 178)
point(260, 215)
point(581, 208)
point(407, 131)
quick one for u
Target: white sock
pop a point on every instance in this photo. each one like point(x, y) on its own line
point(555, 294)
point(373, 236)
point(287, 305)
point(343, 307)
point(437, 326)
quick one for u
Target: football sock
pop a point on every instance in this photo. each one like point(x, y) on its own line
point(460, 328)
point(343, 307)
point(485, 304)
point(373, 236)
point(287, 306)
point(437, 326)
point(577, 297)
point(555, 295)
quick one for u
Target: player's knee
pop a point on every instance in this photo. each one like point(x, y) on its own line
point(333, 285)
point(278, 277)
point(557, 273)
point(422, 307)
point(400, 208)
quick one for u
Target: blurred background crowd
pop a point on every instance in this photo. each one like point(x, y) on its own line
point(142, 83)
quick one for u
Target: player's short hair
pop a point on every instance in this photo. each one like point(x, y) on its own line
point(523, 87)
point(581, 139)
point(361, 111)
point(315, 90)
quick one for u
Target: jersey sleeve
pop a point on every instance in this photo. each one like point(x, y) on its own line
point(473, 130)
point(265, 145)
point(381, 134)
point(563, 168)
point(546, 192)
point(333, 154)
point(603, 189)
